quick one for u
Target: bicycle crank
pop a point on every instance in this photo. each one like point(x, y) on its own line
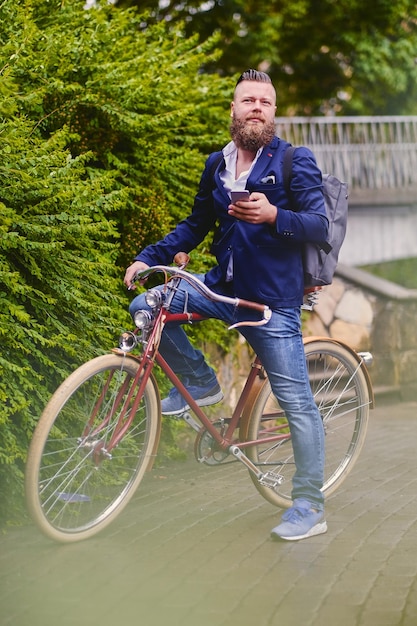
point(267, 479)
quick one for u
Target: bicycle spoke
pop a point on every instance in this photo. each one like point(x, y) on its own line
point(76, 480)
point(341, 395)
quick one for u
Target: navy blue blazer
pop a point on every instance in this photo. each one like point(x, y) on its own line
point(267, 260)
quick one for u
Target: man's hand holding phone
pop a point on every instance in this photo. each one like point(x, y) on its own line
point(236, 196)
point(254, 207)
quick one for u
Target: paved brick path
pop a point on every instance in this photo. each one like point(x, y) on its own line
point(193, 549)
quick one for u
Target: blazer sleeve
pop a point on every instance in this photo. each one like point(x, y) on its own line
point(189, 232)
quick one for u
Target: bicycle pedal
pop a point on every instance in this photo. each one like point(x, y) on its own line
point(269, 479)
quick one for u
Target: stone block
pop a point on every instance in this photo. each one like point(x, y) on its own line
point(356, 336)
point(314, 326)
point(355, 308)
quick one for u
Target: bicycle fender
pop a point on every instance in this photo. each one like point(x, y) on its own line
point(356, 356)
point(261, 381)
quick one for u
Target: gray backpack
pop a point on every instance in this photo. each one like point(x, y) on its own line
point(320, 260)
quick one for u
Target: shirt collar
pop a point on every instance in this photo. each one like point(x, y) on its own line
point(230, 156)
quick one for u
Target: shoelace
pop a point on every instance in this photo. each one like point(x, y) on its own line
point(295, 514)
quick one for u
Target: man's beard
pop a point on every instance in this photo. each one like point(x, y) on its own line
point(251, 137)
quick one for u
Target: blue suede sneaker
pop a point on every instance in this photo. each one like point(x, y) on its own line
point(174, 403)
point(299, 522)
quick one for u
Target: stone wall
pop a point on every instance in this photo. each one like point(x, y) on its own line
point(372, 314)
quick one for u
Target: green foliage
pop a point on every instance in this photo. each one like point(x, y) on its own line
point(58, 277)
point(349, 56)
point(131, 94)
point(105, 125)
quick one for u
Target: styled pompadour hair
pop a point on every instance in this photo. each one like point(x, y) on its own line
point(260, 77)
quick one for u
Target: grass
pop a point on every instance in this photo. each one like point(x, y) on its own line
point(403, 271)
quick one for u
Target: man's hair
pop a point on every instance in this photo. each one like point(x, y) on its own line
point(260, 77)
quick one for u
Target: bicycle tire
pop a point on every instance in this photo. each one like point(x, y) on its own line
point(342, 396)
point(72, 491)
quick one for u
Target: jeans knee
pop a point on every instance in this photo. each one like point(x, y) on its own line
point(137, 304)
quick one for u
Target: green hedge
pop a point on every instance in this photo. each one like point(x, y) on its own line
point(105, 126)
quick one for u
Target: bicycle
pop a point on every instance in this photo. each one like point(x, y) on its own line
point(99, 433)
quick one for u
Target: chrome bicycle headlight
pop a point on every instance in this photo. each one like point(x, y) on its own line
point(143, 319)
point(154, 298)
point(127, 341)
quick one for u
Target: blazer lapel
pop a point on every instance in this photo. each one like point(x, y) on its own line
point(217, 180)
point(264, 162)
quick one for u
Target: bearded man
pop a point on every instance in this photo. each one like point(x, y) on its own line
point(258, 246)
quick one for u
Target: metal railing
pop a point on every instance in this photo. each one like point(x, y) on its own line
point(368, 152)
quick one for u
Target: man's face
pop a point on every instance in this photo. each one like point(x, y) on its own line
point(253, 115)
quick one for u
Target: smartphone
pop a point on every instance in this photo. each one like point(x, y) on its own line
point(239, 195)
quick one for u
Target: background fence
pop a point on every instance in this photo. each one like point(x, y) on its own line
point(377, 157)
point(367, 152)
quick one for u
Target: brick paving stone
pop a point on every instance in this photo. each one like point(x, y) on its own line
point(193, 547)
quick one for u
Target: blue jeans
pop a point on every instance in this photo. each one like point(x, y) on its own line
point(279, 345)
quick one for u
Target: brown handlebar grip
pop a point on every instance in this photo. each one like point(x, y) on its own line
point(181, 259)
point(251, 305)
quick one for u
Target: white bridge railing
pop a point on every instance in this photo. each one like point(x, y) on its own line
point(368, 152)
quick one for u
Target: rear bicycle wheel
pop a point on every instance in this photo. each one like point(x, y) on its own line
point(74, 487)
point(342, 397)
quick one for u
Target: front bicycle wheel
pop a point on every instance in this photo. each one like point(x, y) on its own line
point(74, 486)
point(342, 396)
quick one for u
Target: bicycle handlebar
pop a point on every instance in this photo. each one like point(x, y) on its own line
point(199, 286)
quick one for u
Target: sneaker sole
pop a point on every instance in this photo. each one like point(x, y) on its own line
point(201, 402)
point(318, 529)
